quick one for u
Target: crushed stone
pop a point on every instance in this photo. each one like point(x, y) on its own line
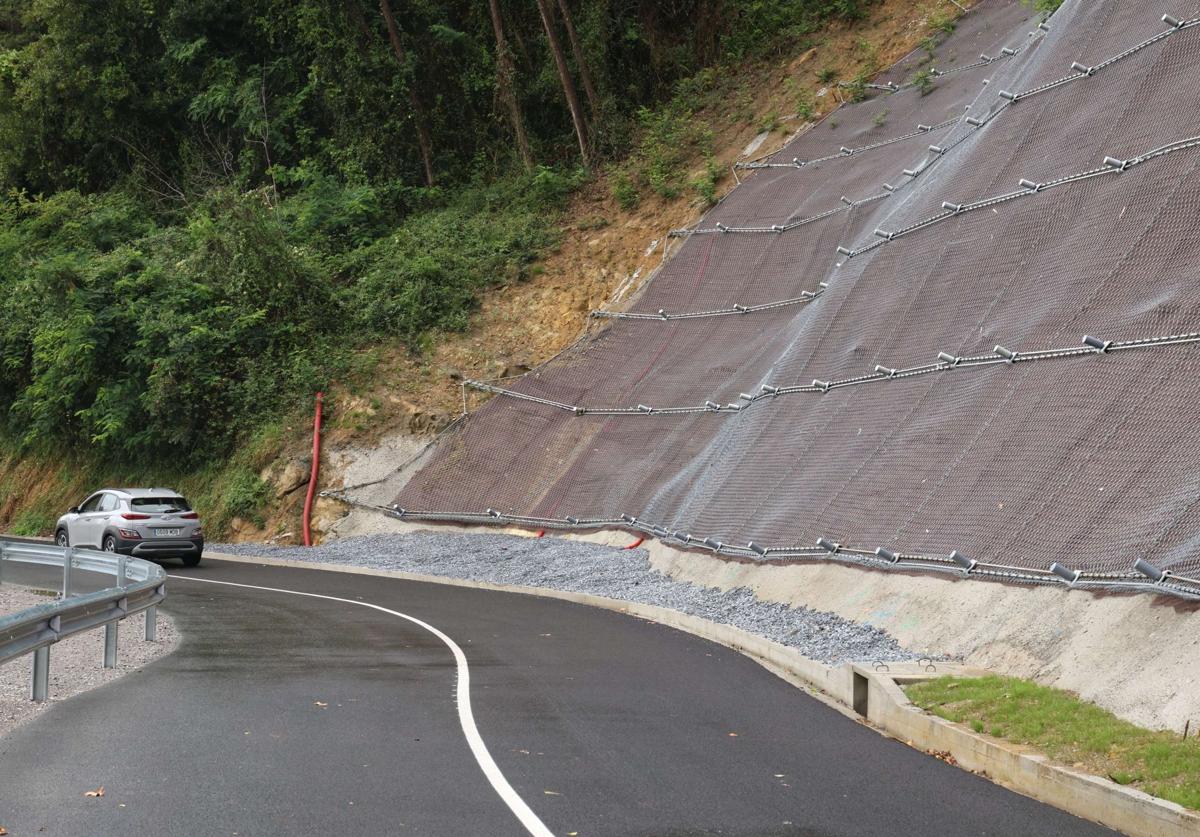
point(582, 567)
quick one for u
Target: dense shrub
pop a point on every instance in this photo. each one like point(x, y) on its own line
point(153, 340)
point(207, 207)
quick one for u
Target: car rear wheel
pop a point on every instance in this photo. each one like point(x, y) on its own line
point(191, 560)
point(61, 538)
point(110, 543)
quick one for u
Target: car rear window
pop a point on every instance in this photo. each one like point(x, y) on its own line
point(159, 505)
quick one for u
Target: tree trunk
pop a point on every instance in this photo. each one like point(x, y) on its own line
point(585, 74)
point(505, 73)
point(419, 116)
point(564, 75)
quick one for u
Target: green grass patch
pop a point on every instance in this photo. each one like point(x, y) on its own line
point(33, 522)
point(1069, 730)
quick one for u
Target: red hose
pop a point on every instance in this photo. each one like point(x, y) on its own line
point(635, 544)
point(312, 476)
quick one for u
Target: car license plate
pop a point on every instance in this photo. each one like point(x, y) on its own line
point(168, 533)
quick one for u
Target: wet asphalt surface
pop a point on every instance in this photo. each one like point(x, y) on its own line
point(288, 715)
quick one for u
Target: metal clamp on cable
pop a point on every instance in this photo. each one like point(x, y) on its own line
point(963, 561)
point(1158, 576)
point(1069, 576)
point(829, 546)
point(886, 555)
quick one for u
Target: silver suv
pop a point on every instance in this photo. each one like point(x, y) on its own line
point(146, 522)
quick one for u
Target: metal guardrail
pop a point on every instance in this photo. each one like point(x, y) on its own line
point(137, 586)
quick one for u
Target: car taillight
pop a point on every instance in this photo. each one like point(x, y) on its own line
point(134, 516)
point(129, 534)
point(189, 516)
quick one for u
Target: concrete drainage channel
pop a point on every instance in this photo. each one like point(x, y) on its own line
point(871, 691)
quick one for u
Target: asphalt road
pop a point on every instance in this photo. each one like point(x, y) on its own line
point(281, 714)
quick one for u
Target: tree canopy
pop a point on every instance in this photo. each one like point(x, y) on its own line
point(206, 203)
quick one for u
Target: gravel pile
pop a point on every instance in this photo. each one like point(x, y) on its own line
point(77, 662)
point(598, 570)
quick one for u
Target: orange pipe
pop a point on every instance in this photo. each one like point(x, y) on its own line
point(312, 475)
point(635, 544)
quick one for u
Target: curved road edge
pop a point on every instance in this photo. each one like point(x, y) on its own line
point(871, 698)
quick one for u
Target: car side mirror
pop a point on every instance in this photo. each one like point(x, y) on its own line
point(73, 510)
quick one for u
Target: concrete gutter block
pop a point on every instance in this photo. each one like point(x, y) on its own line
point(1018, 768)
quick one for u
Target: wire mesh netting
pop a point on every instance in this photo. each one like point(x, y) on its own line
point(900, 366)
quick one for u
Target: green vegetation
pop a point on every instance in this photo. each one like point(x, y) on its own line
point(923, 79)
point(945, 20)
point(806, 106)
point(705, 184)
point(1046, 7)
point(161, 341)
point(1069, 730)
point(31, 523)
point(210, 209)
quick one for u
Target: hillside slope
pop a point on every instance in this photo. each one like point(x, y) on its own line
point(534, 298)
point(1073, 453)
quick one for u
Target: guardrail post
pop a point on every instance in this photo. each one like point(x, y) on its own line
point(68, 560)
point(110, 645)
point(41, 673)
point(152, 623)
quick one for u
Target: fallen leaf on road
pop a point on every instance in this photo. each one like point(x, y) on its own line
point(320, 703)
point(943, 755)
point(3, 831)
point(551, 793)
point(97, 792)
point(733, 735)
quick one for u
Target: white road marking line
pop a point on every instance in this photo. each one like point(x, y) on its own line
point(465, 716)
